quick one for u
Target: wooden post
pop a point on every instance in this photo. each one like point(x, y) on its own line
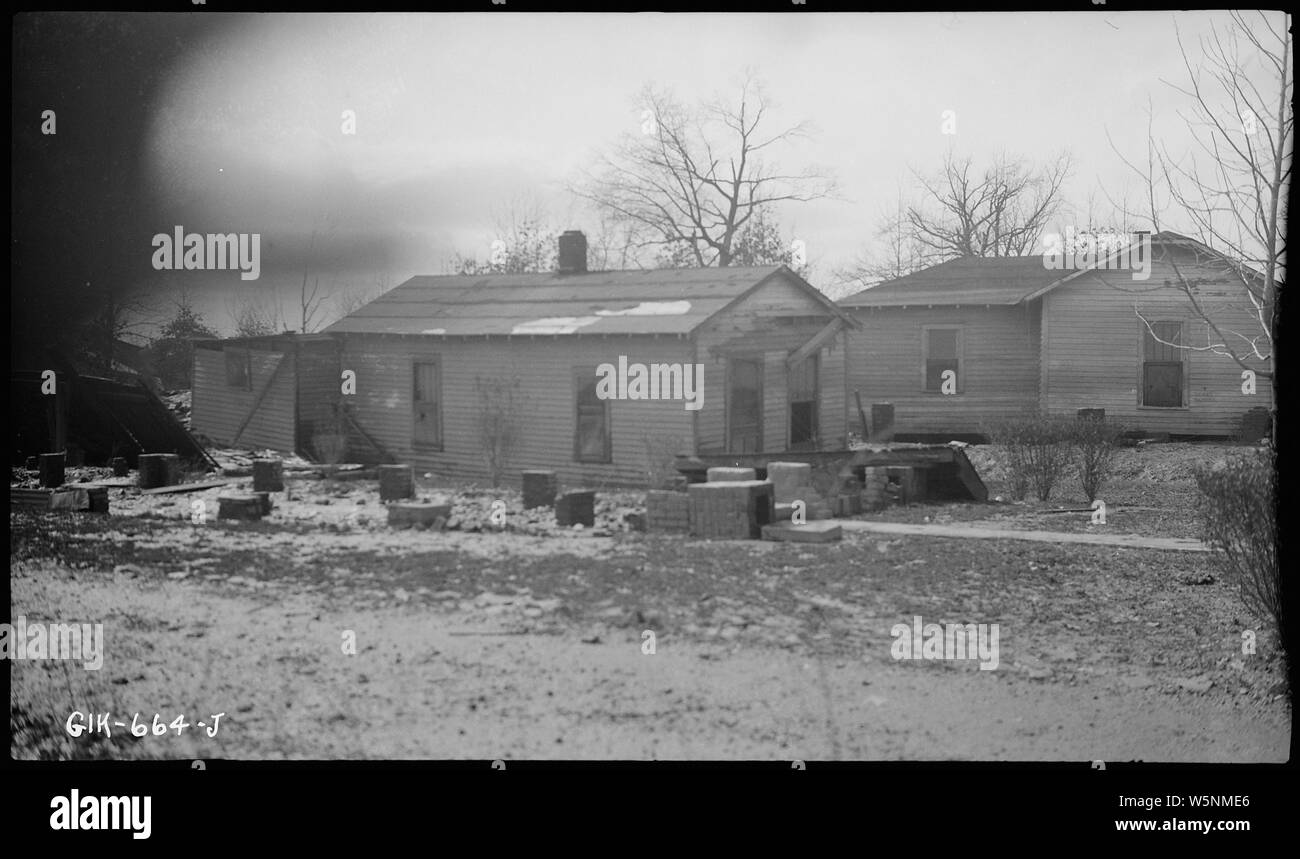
point(268, 475)
point(51, 470)
point(396, 482)
point(159, 469)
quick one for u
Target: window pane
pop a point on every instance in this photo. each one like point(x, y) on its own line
point(934, 373)
point(942, 343)
point(803, 423)
point(1163, 384)
point(1170, 333)
point(592, 422)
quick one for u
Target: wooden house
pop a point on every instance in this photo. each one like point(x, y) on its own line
point(1011, 336)
point(445, 370)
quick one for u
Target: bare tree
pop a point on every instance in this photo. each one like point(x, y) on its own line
point(524, 240)
point(500, 420)
point(999, 211)
point(257, 317)
point(693, 178)
point(353, 298)
point(901, 253)
point(1232, 187)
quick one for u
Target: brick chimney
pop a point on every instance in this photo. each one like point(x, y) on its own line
point(573, 253)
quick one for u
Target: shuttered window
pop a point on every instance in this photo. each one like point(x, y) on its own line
point(426, 402)
point(591, 439)
point(1163, 370)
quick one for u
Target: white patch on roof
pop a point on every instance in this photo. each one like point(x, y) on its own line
point(434, 331)
point(554, 325)
point(651, 308)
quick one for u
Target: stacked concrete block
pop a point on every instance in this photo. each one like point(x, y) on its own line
point(667, 511)
point(396, 482)
point(576, 508)
point(268, 475)
point(721, 474)
point(159, 469)
point(731, 510)
point(539, 489)
point(875, 488)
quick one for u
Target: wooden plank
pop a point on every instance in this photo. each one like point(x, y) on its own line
point(186, 487)
point(815, 343)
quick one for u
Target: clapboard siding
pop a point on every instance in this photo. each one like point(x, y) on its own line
point(1092, 339)
point(1000, 373)
point(218, 410)
point(545, 370)
point(767, 325)
point(319, 384)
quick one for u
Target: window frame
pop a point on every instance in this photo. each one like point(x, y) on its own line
point(1185, 395)
point(812, 443)
point(960, 358)
point(582, 374)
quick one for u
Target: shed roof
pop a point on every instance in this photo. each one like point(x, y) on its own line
point(657, 301)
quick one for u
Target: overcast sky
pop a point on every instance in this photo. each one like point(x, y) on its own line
point(458, 115)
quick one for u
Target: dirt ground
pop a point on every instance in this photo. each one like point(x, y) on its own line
point(530, 645)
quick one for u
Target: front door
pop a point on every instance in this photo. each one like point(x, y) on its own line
point(745, 406)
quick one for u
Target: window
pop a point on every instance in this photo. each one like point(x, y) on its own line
point(745, 406)
point(239, 369)
point(591, 440)
point(1162, 365)
point(803, 404)
point(942, 348)
point(427, 405)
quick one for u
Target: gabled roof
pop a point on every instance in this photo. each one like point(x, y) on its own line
point(657, 301)
point(964, 280)
point(990, 280)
